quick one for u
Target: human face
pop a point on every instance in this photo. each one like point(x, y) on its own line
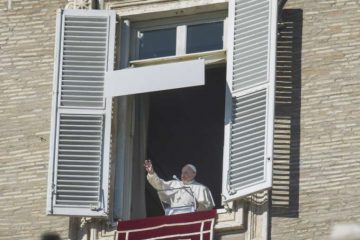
point(187, 174)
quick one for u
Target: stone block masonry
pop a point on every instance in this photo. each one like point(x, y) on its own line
point(27, 33)
point(329, 122)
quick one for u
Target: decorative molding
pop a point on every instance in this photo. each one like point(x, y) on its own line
point(233, 220)
point(140, 10)
point(80, 4)
point(257, 218)
point(129, 3)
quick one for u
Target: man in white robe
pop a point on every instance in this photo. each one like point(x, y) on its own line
point(181, 193)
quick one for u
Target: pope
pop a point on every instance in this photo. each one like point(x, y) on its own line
point(173, 191)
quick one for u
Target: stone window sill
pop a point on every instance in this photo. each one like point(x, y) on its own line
point(230, 221)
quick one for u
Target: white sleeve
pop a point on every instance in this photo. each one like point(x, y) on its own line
point(205, 199)
point(158, 183)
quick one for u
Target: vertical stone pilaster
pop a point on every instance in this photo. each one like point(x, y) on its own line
point(257, 222)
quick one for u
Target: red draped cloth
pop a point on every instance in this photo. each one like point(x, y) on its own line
point(189, 226)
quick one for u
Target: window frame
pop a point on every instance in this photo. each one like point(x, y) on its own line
point(180, 23)
point(128, 40)
point(228, 19)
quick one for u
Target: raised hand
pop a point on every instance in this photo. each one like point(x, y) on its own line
point(148, 166)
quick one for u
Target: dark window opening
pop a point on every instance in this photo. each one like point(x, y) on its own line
point(187, 126)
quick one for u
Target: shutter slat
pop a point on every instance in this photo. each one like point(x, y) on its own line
point(255, 179)
point(84, 57)
point(88, 62)
point(78, 181)
point(86, 23)
point(84, 39)
point(85, 27)
point(73, 186)
point(73, 203)
point(89, 83)
point(237, 152)
point(76, 171)
point(249, 159)
point(90, 92)
point(80, 73)
point(77, 161)
point(68, 137)
point(86, 32)
point(80, 141)
point(251, 18)
point(76, 192)
point(74, 147)
point(74, 156)
point(250, 169)
point(78, 197)
point(76, 176)
point(67, 165)
point(78, 131)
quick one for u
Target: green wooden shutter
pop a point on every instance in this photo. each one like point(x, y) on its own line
point(250, 97)
point(81, 114)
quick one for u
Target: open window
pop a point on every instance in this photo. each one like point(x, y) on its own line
point(230, 119)
point(169, 137)
point(187, 126)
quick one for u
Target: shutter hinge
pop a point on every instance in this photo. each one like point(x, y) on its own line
point(53, 189)
point(227, 207)
point(95, 208)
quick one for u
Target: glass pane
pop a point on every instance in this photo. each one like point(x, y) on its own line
point(157, 43)
point(204, 37)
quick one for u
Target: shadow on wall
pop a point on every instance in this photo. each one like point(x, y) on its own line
point(285, 190)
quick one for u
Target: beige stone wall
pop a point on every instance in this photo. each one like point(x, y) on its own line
point(316, 172)
point(319, 122)
point(27, 30)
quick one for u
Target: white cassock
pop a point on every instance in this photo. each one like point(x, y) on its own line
point(178, 194)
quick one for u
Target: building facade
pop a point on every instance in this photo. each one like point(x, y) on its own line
point(314, 171)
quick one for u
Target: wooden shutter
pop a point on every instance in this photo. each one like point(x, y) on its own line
point(81, 114)
point(250, 97)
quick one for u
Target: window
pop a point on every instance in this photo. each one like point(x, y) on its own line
point(178, 36)
point(184, 121)
point(157, 43)
point(85, 85)
point(204, 37)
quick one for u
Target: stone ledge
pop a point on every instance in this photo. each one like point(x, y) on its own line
point(230, 221)
point(165, 9)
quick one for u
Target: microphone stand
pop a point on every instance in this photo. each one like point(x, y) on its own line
point(171, 212)
point(185, 188)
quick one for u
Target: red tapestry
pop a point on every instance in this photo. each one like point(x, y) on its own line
point(187, 226)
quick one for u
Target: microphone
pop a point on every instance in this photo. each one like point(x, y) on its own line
point(175, 177)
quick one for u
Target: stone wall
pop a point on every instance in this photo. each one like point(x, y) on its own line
point(317, 141)
point(27, 30)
